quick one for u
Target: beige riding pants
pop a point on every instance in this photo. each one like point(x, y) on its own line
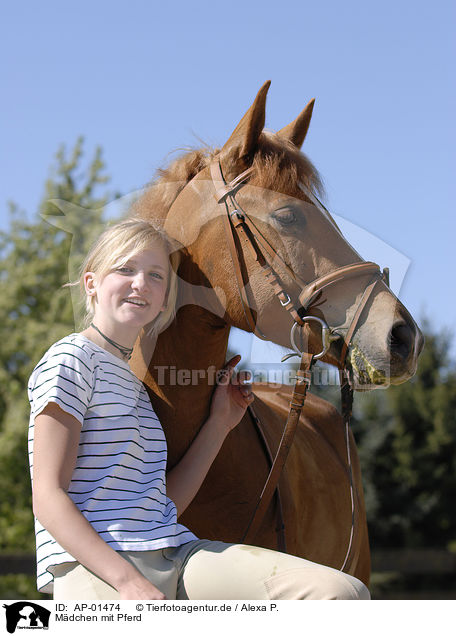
point(219, 571)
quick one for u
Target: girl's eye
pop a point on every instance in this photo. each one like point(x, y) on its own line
point(124, 269)
point(156, 275)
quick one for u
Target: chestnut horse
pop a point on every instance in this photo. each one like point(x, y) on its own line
point(178, 368)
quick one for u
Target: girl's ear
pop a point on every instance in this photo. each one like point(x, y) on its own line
point(90, 283)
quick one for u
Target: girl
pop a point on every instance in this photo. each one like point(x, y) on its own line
point(106, 511)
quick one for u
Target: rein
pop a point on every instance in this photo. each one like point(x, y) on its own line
point(242, 232)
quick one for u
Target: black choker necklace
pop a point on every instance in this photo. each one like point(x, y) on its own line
point(125, 351)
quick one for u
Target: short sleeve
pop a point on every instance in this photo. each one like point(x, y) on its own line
point(63, 376)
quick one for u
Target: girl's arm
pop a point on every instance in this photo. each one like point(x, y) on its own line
point(228, 406)
point(54, 458)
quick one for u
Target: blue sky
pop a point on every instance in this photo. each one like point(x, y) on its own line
point(141, 79)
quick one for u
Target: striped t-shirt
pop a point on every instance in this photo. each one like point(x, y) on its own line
point(119, 482)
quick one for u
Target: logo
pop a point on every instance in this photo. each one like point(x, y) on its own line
point(26, 615)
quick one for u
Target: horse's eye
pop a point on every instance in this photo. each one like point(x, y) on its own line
point(285, 216)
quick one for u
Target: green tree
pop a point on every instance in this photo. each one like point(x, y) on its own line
point(407, 442)
point(37, 257)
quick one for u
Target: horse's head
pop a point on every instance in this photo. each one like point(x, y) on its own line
point(281, 224)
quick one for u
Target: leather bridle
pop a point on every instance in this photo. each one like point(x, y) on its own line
point(241, 232)
point(239, 224)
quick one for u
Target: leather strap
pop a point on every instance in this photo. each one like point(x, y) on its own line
point(222, 188)
point(236, 221)
point(354, 323)
point(303, 378)
point(223, 191)
point(341, 273)
point(280, 526)
point(241, 284)
point(346, 399)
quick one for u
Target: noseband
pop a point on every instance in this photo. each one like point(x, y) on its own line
point(241, 232)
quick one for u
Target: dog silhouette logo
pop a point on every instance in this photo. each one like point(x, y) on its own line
point(26, 615)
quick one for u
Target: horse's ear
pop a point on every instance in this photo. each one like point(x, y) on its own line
point(296, 131)
point(246, 134)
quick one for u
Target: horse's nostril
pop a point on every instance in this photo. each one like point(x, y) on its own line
point(401, 340)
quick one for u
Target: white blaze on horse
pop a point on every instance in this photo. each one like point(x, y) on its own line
point(260, 253)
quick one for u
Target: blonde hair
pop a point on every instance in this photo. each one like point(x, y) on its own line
point(115, 247)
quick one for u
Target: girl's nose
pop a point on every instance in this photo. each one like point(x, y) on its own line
point(139, 281)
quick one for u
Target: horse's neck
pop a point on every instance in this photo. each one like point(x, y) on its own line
point(181, 373)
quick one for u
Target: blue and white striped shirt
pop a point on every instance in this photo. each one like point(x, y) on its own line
point(119, 481)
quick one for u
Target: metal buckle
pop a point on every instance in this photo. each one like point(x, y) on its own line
point(326, 336)
point(286, 302)
point(303, 379)
point(239, 215)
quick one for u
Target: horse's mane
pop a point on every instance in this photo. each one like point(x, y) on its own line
point(277, 165)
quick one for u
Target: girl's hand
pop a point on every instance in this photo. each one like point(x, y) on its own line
point(232, 395)
point(140, 588)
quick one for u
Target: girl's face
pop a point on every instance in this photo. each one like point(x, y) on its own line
point(133, 294)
